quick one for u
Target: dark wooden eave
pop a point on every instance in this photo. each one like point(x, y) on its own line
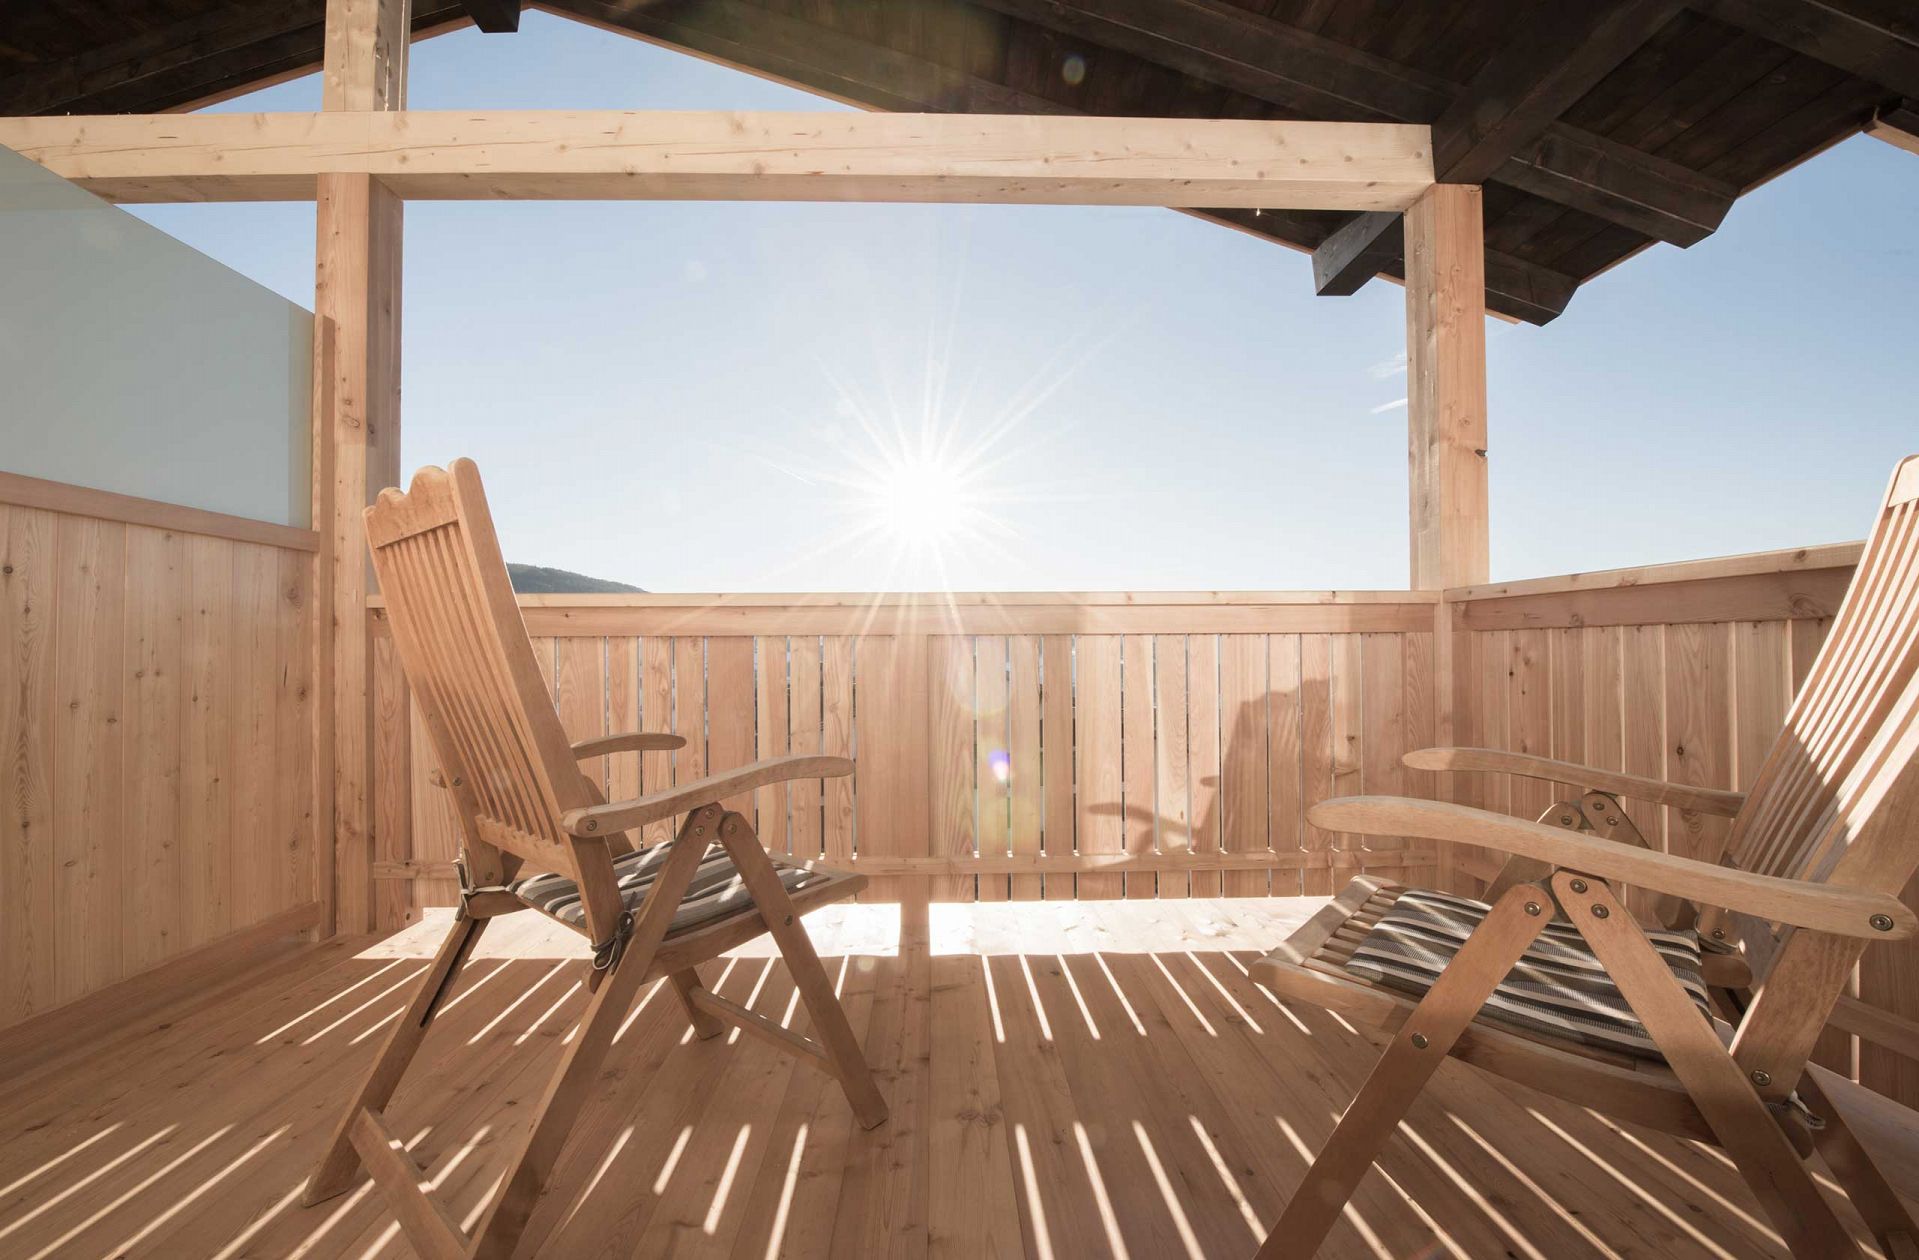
point(1597, 129)
point(495, 17)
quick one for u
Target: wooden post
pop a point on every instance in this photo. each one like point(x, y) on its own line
point(1446, 428)
point(1446, 386)
point(357, 292)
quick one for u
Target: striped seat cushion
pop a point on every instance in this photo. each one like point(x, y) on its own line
point(1558, 988)
point(717, 891)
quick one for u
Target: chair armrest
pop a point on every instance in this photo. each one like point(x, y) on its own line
point(1498, 761)
point(1820, 907)
point(628, 741)
point(600, 820)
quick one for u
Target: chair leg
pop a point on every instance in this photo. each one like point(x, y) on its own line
point(1416, 1052)
point(559, 1108)
point(815, 987)
point(337, 1166)
point(1747, 1131)
point(1879, 1205)
point(685, 984)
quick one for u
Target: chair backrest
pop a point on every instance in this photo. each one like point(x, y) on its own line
point(464, 648)
point(1837, 798)
point(1840, 752)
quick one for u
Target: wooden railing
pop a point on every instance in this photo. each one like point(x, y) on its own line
point(1008, 746)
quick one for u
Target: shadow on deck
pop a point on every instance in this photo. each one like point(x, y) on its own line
point(1057, 1090)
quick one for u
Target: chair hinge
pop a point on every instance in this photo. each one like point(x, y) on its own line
point(607, 952)
point(1793, 1105)
point(468, 891)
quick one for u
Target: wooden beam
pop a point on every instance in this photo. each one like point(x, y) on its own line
point(1555, 57)
point(1515, 288)
point(1358, 250)
point(1446, 387)
point(1897, 125)
point(463, 155)
point(494, 17)
point(357, 301)
point(1222, 43)
point(1611, 181)
point(1878, 40)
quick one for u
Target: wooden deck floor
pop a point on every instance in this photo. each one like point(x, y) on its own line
point(1067, 1080)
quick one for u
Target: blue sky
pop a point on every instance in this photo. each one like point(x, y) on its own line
point(699, 397)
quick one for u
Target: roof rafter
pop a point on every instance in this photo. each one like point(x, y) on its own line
point(1897, 125)
point(494, 17)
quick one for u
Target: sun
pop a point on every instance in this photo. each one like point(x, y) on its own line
point(923, 502)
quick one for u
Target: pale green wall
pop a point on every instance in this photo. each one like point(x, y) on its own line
point(129, 362)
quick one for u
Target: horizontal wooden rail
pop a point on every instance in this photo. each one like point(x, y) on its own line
point(1881, 1027)
point(768, 1030)
point(1842, 555)
point(1344, 860)
point(1112, 863)
point(106, 505)
point(1207, 613)
point(715, 156)
point(1804, 583)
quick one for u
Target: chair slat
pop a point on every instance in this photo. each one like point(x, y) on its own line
point(1866, 673)
point(1795, 820)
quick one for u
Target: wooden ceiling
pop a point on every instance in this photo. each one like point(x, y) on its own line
point(1597, 127)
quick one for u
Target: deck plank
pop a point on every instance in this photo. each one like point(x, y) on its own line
point(1016, 1042)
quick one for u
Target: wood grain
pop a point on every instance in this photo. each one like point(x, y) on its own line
point(721, 156)
point(156, 732)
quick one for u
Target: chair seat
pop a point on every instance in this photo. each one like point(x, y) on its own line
point(1558, 989)
point(716, 892)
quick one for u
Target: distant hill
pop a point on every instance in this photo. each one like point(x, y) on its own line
point(536, 579)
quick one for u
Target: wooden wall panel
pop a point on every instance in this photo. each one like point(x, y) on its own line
point(1025, 718)
point(803, 727)
point(1203, 754)
point(772, 734)
point(156, 734)
point(1245, 766)
point(1316, 754)
point(730, 710)
point(1284, 762)
point(952, 746)
point(1138, 771)
point(1172, 759)
point(1057, 817)
point(1100, 807)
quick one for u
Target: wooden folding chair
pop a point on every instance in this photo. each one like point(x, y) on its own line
point(1553, 981)
point(521, 798)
